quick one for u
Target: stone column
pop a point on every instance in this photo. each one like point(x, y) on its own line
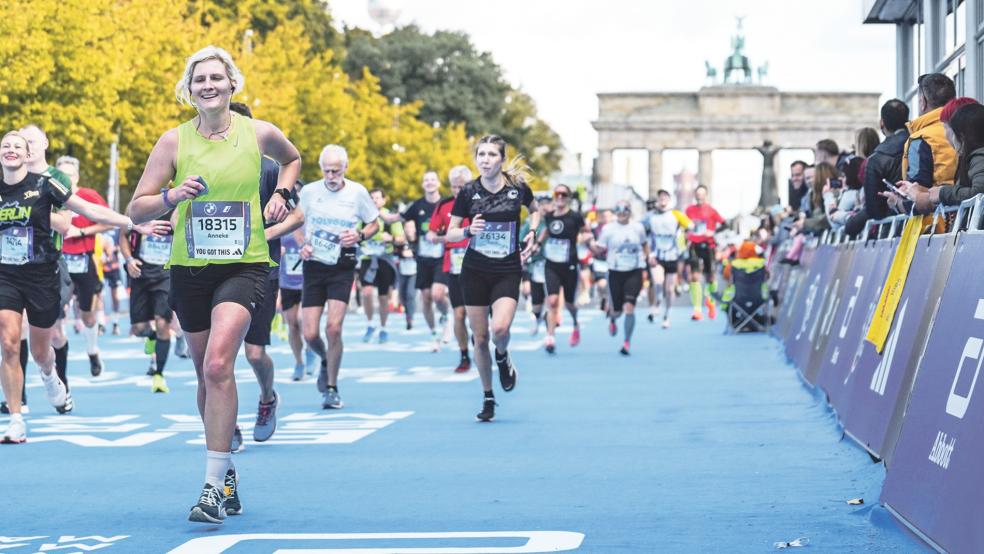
point(655, 171)
point(705, 170)
point(604, 168)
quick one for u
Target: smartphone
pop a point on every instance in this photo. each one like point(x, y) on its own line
point(836, 183)
point(895, 189)
point(204, 184)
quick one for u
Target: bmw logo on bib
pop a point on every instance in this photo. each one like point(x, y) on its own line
point(210, 209)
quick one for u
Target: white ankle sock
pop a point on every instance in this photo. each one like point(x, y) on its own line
point(216, 466)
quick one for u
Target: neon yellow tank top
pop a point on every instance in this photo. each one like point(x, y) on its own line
point(225, 225)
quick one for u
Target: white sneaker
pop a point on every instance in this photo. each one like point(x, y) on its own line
point(55, 389)
point(16, 432)
point(448, 332)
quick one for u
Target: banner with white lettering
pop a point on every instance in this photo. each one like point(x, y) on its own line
point(935, 480)
point(880, 383)
point(834, 297)
point(807, 312)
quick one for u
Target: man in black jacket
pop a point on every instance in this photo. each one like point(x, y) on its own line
point(884, 163)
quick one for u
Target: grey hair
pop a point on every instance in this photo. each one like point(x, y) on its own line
point(68, 160)
point(460, 171)
point(182, 90)
point(333, 149)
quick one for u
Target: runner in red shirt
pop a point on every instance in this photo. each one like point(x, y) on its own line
point(454, 254)
point(77, 250)
point(701, 238)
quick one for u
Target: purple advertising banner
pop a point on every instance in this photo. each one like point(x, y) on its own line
point(879, 384)
point(935, 482)
point(859, 300)
point(832, 301)
point(806, 323)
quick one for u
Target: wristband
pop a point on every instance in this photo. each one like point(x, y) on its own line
point(167, 202)
point(129, 225)
point(467, 232)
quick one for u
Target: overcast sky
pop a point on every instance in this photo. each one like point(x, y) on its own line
point(564, 53)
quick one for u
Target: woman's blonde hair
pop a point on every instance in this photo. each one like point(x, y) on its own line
point(515, 171)
point(182, 90)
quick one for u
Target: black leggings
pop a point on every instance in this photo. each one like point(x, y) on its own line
point(538, 292)
point(562, 276)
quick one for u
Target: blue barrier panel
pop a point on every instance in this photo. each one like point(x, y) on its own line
point(935, 483)
point(881, 382)
point(790, 294)
point(831, 303)
point(844, 345)
point(807, 313)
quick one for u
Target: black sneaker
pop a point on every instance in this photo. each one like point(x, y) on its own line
point(488, 410)
point(323, 376)
point(507, 372)
point(95, 365)
point(233, 506)
point(211, 506)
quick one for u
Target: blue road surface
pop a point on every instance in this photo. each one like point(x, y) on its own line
point(697, 442)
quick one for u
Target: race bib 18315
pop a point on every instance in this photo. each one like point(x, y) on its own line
point(218, 230)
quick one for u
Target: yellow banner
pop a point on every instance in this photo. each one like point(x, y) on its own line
point(881, 323)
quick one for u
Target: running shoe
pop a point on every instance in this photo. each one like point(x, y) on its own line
point(576, 336)
point(666, 323)
point(95, 365)
point(323, 376)
point(409, 325)
point(210, 507)
point(152, 368)
point(266, 421)
point(150, 346)
point(696, 316)
point(370, 330)
point(507, 372)
point(612, 328)
point(383, 336)
point(298, 372)
point(448, 332)
point(116, 329)
point(4, 409)
point(55, 389)
point(488, 410)
point(436, 347)
point(625, 349)
point(16, 432)
point(651, 318)
point(332, 400)
point(231, 490)
point(711, 308)
point(536, 325)
point(463, 365)
point(158, 384)
point(102, 329)
point(549, 344)
point(65, 408)
point(181, 347)
point(237, 445)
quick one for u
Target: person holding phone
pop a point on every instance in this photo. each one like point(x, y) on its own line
point(219, 261)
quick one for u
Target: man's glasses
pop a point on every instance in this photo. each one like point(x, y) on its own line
point(560, 194)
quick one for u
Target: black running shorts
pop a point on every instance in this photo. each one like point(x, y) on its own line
point(481, 288)
point(382, 278)
point(561, 276)
point(701, 258)
point(289, 298)
point(430, 271)
point(87, 285)
point(259, 327)
point(149, 299)
point(455, 292)
point(325, 282)
point(195, 291)
point(538, 293)
point(624, 287)
point(668, 267)
point(32, 287)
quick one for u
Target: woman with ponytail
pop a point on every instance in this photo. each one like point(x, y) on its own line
point(492, 267)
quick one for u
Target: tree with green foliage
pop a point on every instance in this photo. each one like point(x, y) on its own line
point(455, 83)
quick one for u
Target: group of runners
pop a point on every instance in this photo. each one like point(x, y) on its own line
point(220, 234)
